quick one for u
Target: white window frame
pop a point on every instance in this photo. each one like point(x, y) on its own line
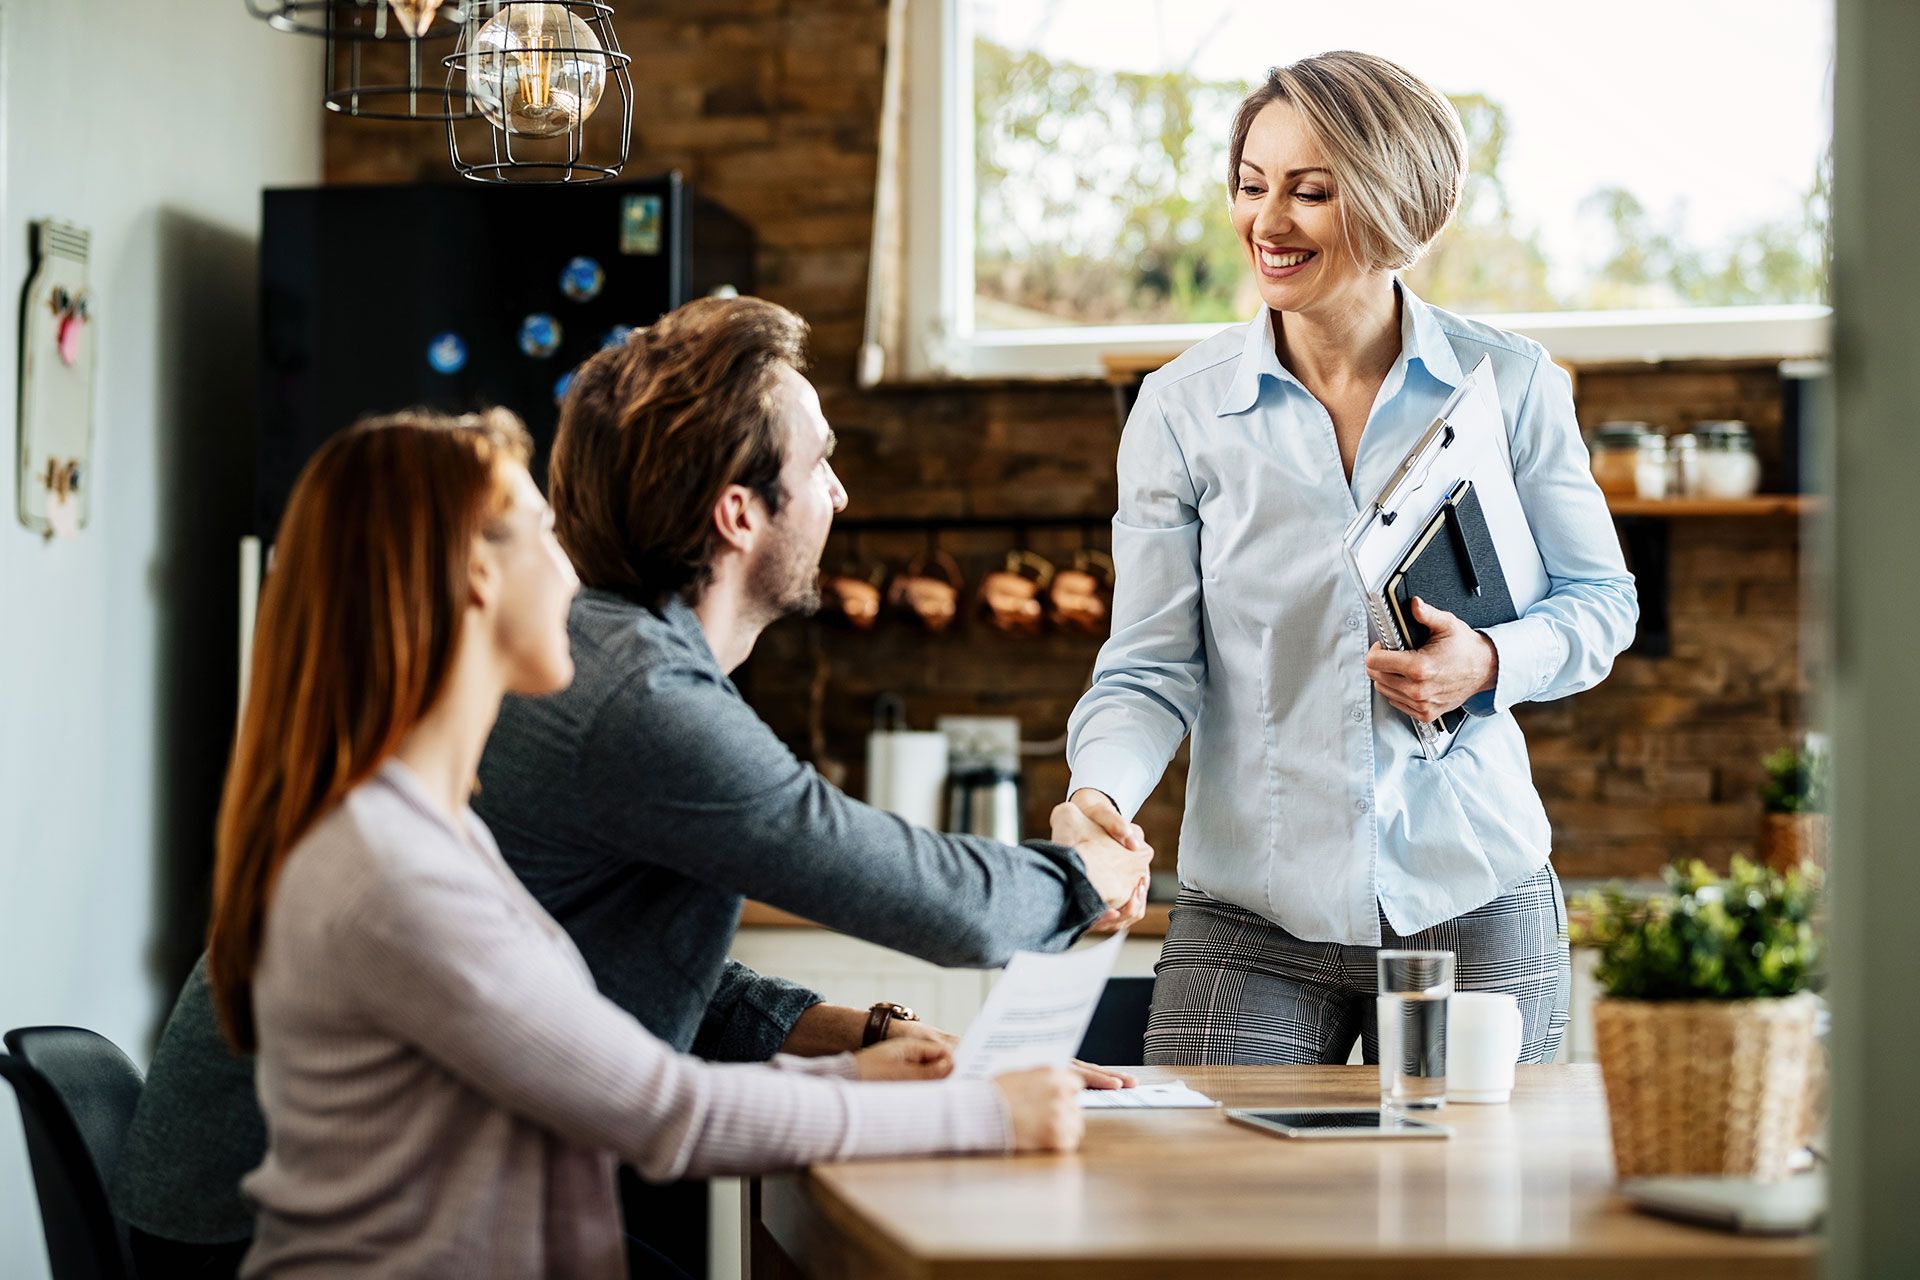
point(939, 287)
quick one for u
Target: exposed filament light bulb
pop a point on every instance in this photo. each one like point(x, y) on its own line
point(536, 70)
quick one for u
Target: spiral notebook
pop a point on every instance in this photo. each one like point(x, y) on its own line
point(1448, 527)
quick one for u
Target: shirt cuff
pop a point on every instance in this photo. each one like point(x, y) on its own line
point(1116, 772)
point(1084, 904)
point(1529, 656)
point(1481, 704)
point(749, 1016)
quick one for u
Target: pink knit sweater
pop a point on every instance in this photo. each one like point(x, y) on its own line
point(447, 1095)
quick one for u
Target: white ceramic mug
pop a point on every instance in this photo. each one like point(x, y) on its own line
point(1483, 1042)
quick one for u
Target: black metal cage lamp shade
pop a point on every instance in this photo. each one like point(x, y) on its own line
point(509, 78)
point(372, 60)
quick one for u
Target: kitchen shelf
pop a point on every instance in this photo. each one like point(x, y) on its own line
point(1645, 532)
point(1761, 506)
point(933, 524)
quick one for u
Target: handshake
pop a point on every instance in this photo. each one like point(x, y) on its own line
point(1114, 851)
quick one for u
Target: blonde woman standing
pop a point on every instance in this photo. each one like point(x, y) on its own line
point(1315, 830)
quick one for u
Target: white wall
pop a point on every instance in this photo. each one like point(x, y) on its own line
point(155, 125)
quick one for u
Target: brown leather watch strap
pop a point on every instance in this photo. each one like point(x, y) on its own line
point(880, 1016)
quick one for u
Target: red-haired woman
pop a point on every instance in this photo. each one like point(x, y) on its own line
point(445, 1092)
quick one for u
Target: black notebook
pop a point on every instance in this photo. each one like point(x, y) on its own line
point(1452, 566)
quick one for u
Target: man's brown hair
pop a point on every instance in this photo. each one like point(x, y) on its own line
point(652, 431)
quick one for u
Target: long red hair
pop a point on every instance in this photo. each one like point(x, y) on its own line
point(359, 622)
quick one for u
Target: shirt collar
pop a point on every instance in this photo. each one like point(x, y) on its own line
point(1258, 359)
point(1421, 335)
point(1421, 338)
point(681, 622)
point(685, 623)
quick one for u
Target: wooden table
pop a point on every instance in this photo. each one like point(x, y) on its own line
point(1520, 1191)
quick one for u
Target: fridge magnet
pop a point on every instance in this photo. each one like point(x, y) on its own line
point(640, 224)
point(616, 336)
point(58, 346)
point(582, 279)
point(447, 353)
point(539, 335)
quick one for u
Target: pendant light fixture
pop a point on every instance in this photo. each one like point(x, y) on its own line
point(375, 53)
point(537, 71)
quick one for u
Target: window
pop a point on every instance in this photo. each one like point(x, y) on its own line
point(1648, 181)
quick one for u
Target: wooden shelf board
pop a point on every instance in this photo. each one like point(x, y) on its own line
point(1764, 505)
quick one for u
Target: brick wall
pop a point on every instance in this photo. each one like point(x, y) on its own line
point(770, 107)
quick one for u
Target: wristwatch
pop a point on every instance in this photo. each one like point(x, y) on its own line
point(882, 1014)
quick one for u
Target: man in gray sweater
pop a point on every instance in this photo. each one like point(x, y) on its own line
point(691, 487)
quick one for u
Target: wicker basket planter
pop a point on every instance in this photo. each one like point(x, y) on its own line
point(1792, 839)
point(1706, 1086)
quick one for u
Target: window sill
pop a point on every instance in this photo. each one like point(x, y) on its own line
point(1585, 337)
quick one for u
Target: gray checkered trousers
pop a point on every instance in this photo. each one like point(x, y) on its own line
point(1234, 987)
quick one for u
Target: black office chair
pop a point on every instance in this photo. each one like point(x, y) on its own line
point(77, 1093)
point(1117, 1036)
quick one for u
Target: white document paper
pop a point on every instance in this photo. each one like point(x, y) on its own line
point(1171, 1095)
point(1037, 1014)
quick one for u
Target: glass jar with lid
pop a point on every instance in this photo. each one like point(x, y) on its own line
point(1683, 466)
point(1615, 448)
point(1729, 467)
point(1650, 466)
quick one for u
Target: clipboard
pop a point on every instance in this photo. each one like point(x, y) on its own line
point(1465, 443)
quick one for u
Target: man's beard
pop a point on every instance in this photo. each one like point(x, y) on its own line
point(786, 580)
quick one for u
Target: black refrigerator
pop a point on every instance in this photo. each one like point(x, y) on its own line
point(457, 297)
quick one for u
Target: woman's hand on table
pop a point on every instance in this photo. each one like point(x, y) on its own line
point(1092, 1077)
point(1454, 664)
point(1044, 1107)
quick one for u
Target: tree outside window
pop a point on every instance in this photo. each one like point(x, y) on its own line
point(1100, 198)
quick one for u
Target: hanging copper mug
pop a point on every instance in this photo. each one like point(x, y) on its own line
point(1081, 597)
point(852, 595)
point(928, 589)
point(1010, 595)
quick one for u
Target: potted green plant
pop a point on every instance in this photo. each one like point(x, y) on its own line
point(1793, 828)
point(1706, 1029)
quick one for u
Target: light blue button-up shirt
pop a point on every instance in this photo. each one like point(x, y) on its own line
point(1236, 620)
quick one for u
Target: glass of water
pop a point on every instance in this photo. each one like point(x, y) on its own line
point(1412, 1005)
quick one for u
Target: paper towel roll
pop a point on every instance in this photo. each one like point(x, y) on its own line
point(907, 774)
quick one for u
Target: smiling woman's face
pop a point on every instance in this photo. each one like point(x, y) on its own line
point(1286, 212)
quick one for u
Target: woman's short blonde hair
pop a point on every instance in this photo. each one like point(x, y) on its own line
point(1394, 144)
